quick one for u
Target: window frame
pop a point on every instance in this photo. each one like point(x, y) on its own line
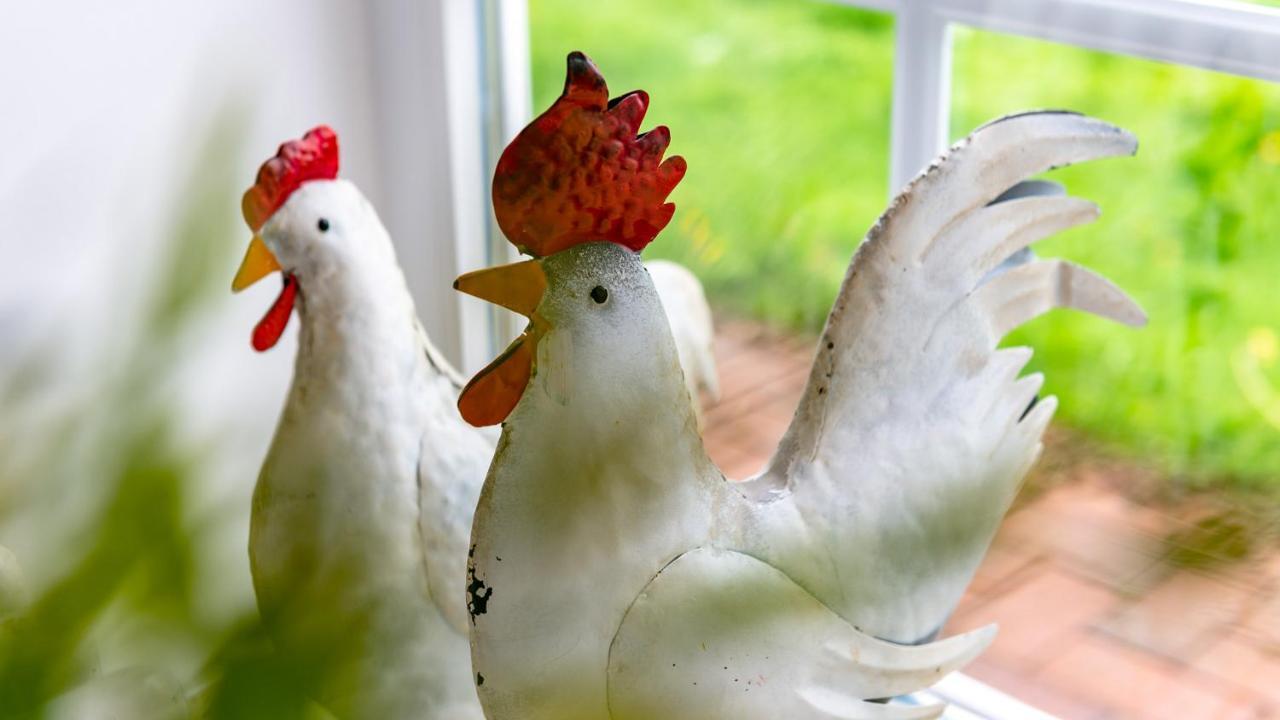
point(1229, 37)
point(453, 88)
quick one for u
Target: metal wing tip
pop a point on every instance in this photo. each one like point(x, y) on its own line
point(1084, 289)
point(1138, 317)
point(1130, 140)
point(1125, 311)
point(1128, 311)
point(975, 642)
point(1025, 114)
point(1128, 144)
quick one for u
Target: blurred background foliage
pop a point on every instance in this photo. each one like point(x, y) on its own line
point(103, 617)
point(782, 110)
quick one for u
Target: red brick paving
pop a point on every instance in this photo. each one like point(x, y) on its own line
point(1182, 616)
point(1027, 642)
point(1096, 621)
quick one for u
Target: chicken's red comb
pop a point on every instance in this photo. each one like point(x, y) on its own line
point(314, 157)
point(579, 173)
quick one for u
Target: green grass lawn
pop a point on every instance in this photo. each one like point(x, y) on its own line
point(782, 110)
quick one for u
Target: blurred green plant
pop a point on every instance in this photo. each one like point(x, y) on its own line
point(111, 630)
point(782, 109)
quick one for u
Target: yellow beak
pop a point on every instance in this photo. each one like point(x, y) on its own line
point(518, 286)
point(493, 393)
point(258, 263)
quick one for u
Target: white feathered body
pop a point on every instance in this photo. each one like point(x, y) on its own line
point(590, 497)
point(340, 541)
point(623, 577)
point(362, 509)
point(622, 504)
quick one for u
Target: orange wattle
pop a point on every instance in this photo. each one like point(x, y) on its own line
point(494, 391)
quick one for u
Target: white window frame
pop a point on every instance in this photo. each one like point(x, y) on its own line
point(1230, 37)
point(452, 86)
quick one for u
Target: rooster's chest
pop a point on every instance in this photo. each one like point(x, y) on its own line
point(337, 502)
point(553, 571)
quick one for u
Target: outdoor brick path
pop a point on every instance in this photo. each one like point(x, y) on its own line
point(1101, 614)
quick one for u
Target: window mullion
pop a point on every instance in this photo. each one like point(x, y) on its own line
point(921, 90)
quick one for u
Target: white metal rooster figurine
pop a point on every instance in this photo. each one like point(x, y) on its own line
point(615, 573)
point(362, 512)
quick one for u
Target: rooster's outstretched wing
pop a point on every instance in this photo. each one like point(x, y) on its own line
point(914, 431)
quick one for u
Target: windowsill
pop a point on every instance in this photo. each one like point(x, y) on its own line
point(970, 699)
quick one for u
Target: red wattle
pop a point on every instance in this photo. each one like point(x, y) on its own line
point(268, 331)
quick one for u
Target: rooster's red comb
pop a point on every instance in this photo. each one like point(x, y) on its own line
point(314, 157)
point(579, 173)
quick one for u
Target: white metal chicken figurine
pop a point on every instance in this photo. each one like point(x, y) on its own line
point(615, 573)
point(362, 513)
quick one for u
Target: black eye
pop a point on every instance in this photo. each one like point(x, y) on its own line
point(323, 225)
point(599, 294)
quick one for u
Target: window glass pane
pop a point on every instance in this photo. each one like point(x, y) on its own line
point(782, 110)
point(1191, 227)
